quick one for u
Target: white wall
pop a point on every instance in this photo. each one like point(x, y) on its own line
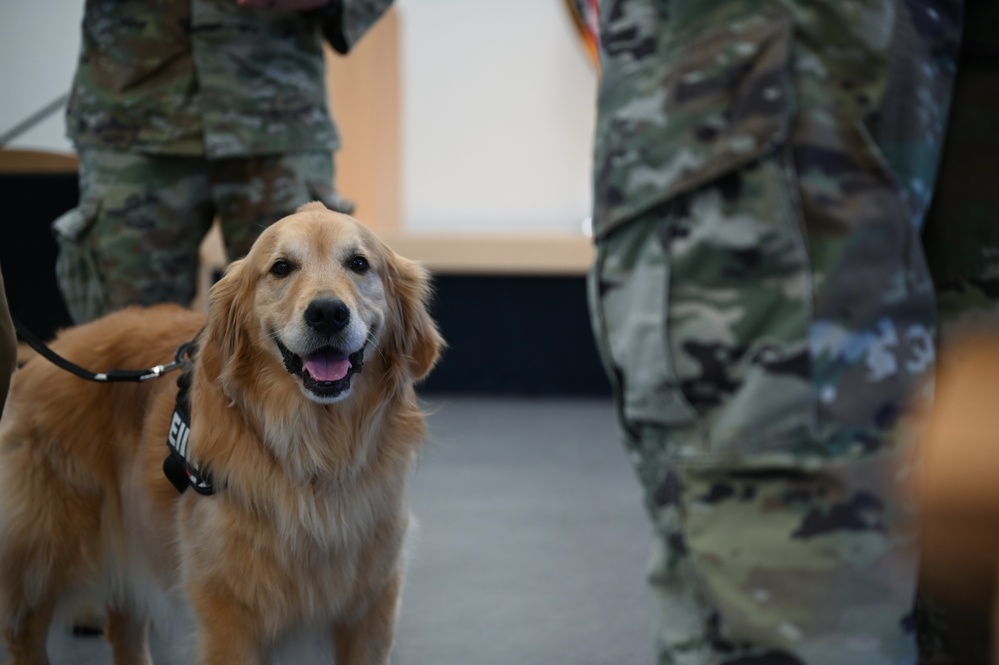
point(498, 116)
point(497, 107)
point(39, 43)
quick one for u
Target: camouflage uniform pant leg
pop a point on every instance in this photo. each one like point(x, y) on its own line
point(254, 192)
point(961, 240)
point(766, 551)
point(969, 303)
point(961, 234)
point(780, 567)
point(763, 307)
point(134, 238)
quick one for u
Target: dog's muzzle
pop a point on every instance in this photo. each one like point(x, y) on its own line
point(325, 372)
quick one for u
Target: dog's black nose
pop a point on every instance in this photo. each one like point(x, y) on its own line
point(327, 315)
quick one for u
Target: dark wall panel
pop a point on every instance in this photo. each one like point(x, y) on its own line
point(31, 202)
point(515, 335)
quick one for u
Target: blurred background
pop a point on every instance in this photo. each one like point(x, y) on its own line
point(474, 117)
point(467, 139)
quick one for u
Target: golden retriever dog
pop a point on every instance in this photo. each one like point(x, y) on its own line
point(303, 416)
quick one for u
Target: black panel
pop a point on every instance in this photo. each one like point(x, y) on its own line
point(31, 202)
point(515, 335)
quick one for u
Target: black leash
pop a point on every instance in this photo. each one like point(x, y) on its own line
point(114, 375)
point(179, 468)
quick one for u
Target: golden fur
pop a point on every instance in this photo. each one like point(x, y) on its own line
point(309, 522)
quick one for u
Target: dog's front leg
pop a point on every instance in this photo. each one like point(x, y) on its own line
point(228, 634)
point(27, 635)
point(368, 639)
point(129, 638)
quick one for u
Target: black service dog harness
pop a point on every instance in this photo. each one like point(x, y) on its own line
point(181, 470)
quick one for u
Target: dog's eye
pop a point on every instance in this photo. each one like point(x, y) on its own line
point(280, 268)
point(359, 264)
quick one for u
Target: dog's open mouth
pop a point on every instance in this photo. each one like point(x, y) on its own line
point(325, 372)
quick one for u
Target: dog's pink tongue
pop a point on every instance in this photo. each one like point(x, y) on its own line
point(327, 366)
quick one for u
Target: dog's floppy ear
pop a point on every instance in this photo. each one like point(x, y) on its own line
point(413, 336)
point(227, 315)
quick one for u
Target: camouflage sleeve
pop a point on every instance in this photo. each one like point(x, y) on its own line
point(344, 22)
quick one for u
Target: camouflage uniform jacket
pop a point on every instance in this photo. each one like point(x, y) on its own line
point(208, 77)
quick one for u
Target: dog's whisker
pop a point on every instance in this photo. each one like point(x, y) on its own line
point(380, 352)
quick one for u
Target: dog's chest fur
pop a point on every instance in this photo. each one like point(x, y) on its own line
point(305, 556)
point(315, 532)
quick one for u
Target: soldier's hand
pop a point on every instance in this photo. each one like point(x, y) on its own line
point(288, 5)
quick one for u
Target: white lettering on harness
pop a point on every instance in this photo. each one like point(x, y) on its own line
point(179, 433)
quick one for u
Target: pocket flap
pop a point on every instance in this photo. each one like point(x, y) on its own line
point(73, 224)
point(331, 198)
point(700, 110)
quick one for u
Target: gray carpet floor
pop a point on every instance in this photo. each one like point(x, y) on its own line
point(529, 544)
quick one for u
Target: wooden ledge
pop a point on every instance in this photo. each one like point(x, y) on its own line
point(494, 253)
point(37, 161)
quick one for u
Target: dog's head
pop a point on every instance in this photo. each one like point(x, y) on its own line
point(321, 295)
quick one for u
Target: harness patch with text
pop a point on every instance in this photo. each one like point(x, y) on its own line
point(181, 470)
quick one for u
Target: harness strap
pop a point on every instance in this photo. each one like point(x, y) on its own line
point(180, 469)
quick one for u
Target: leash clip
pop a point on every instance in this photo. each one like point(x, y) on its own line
point(160, 370)
point(181, 359)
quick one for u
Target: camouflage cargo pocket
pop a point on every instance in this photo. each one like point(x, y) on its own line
point(702, 297)
point(326, 193)
point(696, 111)
point(318, 170)
point(76, 266)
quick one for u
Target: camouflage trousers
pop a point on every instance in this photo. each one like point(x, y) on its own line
point(779, 534)
point(768, 327)
point(134, 238)
point(799, 552)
